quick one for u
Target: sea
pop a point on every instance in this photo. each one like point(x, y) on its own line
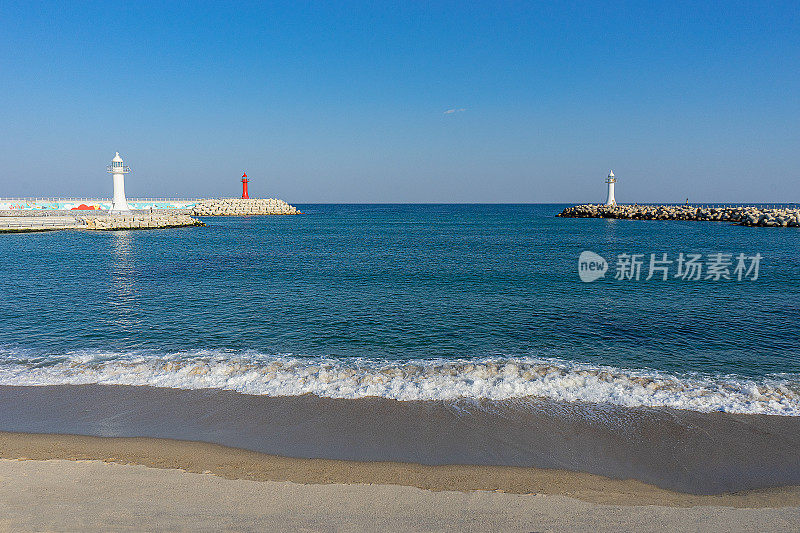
point(277, 333)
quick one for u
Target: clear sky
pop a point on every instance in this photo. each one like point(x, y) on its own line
point(403, 102)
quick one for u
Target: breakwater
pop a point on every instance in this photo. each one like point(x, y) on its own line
point(745, 216)
point(25, 224)
point(238, 207)
point(135, 221)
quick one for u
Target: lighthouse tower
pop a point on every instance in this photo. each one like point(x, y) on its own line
point(245, 181)
point(611, 180)
point(119, 204)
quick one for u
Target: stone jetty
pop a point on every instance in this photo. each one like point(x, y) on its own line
point(241, 207)
point(745, 216)
point(26, 224)
point(105, 222)
point(136, 221)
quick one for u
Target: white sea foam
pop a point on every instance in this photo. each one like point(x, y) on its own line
point(490, 378)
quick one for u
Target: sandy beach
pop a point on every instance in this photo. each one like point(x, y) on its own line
point(95, 496)
point(66, 482)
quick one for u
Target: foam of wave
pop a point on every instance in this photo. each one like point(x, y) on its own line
point(489, 378)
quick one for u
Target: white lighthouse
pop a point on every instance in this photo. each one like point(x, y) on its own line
point(118, 171)
point(611, 180)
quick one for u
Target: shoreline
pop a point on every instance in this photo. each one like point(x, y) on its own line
point(239, 464)
point(661, 447)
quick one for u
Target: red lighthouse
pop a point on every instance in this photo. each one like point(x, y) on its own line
point(245, 181)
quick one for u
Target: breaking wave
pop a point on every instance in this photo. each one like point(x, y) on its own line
point(495, 378)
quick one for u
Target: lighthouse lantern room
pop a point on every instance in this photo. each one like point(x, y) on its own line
point(611, 180)
point(119, 204)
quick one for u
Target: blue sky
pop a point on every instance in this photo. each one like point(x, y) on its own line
point(347, 102)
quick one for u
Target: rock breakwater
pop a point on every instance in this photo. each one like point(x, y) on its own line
point(124, 222)
point(745, 216)
point(241, 207)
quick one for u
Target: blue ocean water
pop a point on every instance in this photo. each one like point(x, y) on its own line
point(408, 302)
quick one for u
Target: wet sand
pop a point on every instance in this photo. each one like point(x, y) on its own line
point(683, 451)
